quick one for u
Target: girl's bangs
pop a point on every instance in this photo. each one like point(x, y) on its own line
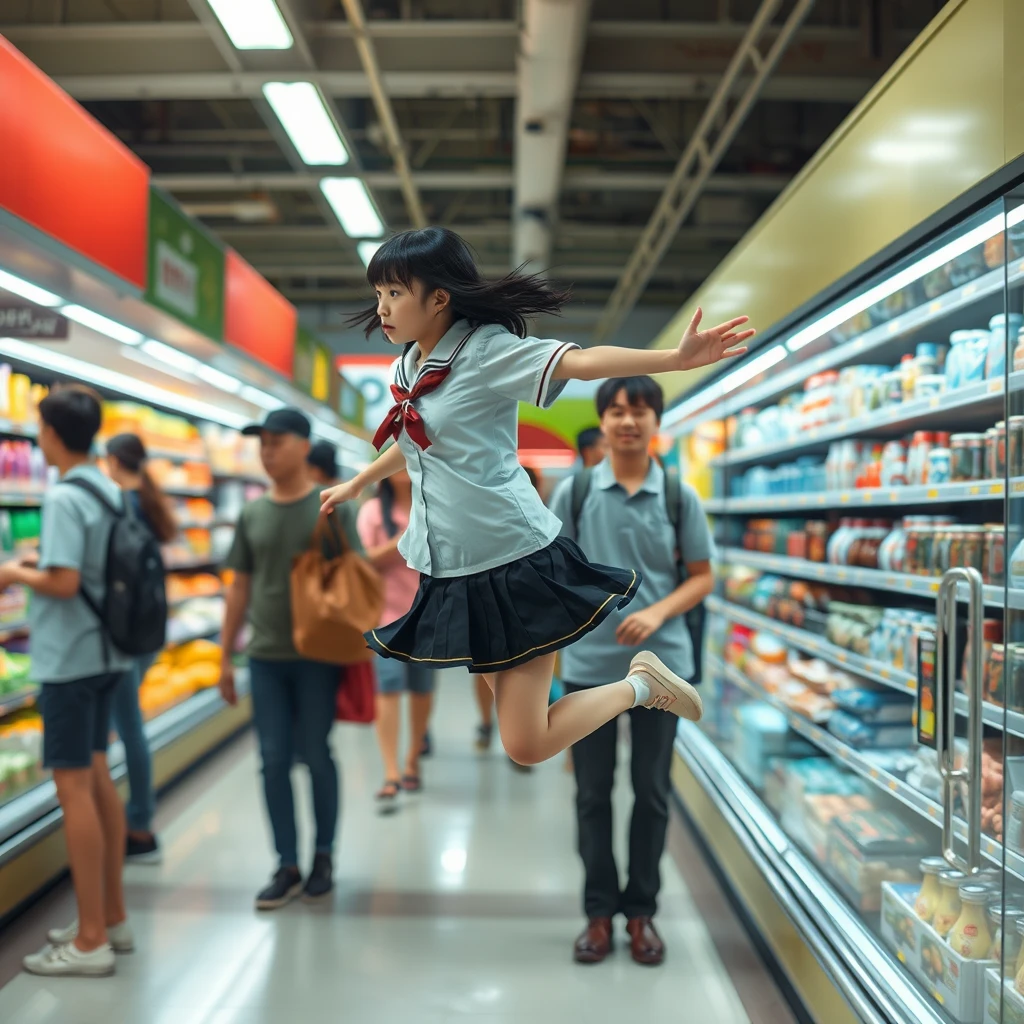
point(392, 263)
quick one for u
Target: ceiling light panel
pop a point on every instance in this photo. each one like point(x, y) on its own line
point(253, 24)
point(353, 207)
point(303, 114)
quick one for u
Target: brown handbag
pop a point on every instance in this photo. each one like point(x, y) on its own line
point(337, 596)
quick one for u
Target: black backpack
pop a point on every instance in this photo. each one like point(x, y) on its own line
point(134, 609)
point(673, 506)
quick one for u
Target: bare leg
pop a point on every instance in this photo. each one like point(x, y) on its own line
point(388, 721)
point(112, 820)
point(83, 832)
point(484, 698)
point(419, 715)
point(531, 730)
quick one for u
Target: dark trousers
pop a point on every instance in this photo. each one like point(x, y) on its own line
point(293, 705)
point(594, 758)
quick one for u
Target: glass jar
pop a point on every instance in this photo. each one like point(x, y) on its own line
point(995, 675)
point(1015, 446)
point(970, 935)
point(939, 467)
point(948, 910)
point(973, 548)
point(925, 545)
point(817, 540)
point(941, 549)
point(1000, 327)
point(927, 901)
point(995, 554)
point(968, 456)
point(1013, 680)
point(1006, 940)
point(990, 453)
point(1000, 461)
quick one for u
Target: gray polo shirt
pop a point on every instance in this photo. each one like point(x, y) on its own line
point(632, 532)
point(473, 506)
point(66, 637)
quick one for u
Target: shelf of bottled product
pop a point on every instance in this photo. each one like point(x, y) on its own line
point(993, 715)
point(867, 497)
point(857, 348)
point(877, 579)
point(918, 414)
point(865, 766)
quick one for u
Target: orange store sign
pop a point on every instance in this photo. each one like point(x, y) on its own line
point(65, 174)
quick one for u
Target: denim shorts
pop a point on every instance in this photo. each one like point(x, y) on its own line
point(403, 677)
point(76, 719)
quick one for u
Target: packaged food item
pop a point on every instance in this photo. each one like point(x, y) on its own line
point(1000, 327)
point(894, 464)
point(1017, 566)
point(876, 707)
point(868, 736)
point(967, 457)
point(995, 675)
point(939, 466)
point(1018, 352)
point(928, 384)
point(1015, 445)
point(970, 936)
point(969, 352)
point(1006, 939)
point(817, 541)
point(927, 901)
point(1014, 837)
point(994, 573)
point(999, 461)
point(948, 911)
point(973, 550)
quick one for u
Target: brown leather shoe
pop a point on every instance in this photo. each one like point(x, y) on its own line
point(647, 947)
point(595, 942)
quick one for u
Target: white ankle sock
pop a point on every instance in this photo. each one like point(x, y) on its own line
point(641, 691)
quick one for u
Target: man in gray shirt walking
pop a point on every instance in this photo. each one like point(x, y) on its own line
point(626, 511)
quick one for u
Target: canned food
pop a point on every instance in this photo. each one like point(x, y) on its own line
point(1000, 462)
point(990, 453)
point(973, 547)
point(995, 554)
point(939, 466)
point(967, 457)
point(1015, 445)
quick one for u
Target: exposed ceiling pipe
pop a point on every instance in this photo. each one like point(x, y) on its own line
point(551, 52)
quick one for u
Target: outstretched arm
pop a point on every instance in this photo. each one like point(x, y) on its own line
point(387, 465)
point(696, 348)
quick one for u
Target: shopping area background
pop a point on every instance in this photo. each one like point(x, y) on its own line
point(186, 212)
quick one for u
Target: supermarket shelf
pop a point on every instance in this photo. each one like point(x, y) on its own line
point(854, 351)
point(878, 579)
point(194, 597)
point(862, 763)
point(20, 499)
point(12, 629)
point(208, 632)
point(11, 702)
point(876, 497)
point(889, 421)
point(804, 641)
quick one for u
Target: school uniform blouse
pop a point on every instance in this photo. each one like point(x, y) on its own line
point(473, 506)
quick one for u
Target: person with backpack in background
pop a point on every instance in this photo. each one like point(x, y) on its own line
point(382, 521)
point(78, 669)
point(592, 447)
point(294, 698)
point(628, 511)
point(126, 465)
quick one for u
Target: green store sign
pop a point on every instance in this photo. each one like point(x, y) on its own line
point(186, 268)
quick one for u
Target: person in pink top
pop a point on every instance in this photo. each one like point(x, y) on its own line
point(381, 523)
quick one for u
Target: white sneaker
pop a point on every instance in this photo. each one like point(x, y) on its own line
point(669, 692)
point(119, 936)
point(67, 960)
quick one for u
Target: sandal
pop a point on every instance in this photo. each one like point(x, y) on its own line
point(387, 797)
point(412, 783)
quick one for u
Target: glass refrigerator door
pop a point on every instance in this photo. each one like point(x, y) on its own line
point(861, 659)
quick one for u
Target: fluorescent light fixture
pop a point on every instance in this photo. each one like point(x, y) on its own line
point(32, 292)
point(757, 365)
point(303, 114)
point(353, 207)
point(102, 324)
point(218, 379)
point(967, 241)
point(250, 394)
point(253, 24)
point(171, 356)
point(132, 387)
point(367, 250)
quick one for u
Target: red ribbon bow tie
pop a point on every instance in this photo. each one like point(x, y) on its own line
point(404, 414)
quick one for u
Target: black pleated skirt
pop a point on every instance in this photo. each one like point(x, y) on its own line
point(503, 617)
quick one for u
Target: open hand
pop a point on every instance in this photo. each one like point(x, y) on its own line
point(332, 497)
point(701, 348)
point(636, 628)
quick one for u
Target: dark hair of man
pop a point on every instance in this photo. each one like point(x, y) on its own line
point(587, 439)
point(639, 391)
point(74, 413)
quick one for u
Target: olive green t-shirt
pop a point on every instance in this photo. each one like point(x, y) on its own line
point(268, 538)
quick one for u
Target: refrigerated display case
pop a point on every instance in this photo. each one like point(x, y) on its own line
point(864, 653)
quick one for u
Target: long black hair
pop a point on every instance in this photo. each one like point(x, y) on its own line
point(441, 259)
point(129, 450)
point(386, 493)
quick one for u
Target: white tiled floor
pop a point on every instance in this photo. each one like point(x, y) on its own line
point(462, 907)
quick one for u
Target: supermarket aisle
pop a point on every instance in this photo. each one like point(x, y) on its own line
point(462, 907)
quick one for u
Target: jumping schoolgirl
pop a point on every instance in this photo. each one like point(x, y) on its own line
point(500, 591)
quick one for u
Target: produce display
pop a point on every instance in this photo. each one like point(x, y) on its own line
point(178, 673)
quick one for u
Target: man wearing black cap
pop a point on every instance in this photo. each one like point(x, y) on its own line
point(293, 698)
point(323, 464)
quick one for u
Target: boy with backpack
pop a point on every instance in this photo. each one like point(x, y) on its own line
point(94, 603)
point(628, 511)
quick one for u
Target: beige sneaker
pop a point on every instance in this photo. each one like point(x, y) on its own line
point(68, 961)
point(119, 936)
point(669, 692)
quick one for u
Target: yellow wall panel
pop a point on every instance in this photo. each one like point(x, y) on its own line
point(930, 129)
